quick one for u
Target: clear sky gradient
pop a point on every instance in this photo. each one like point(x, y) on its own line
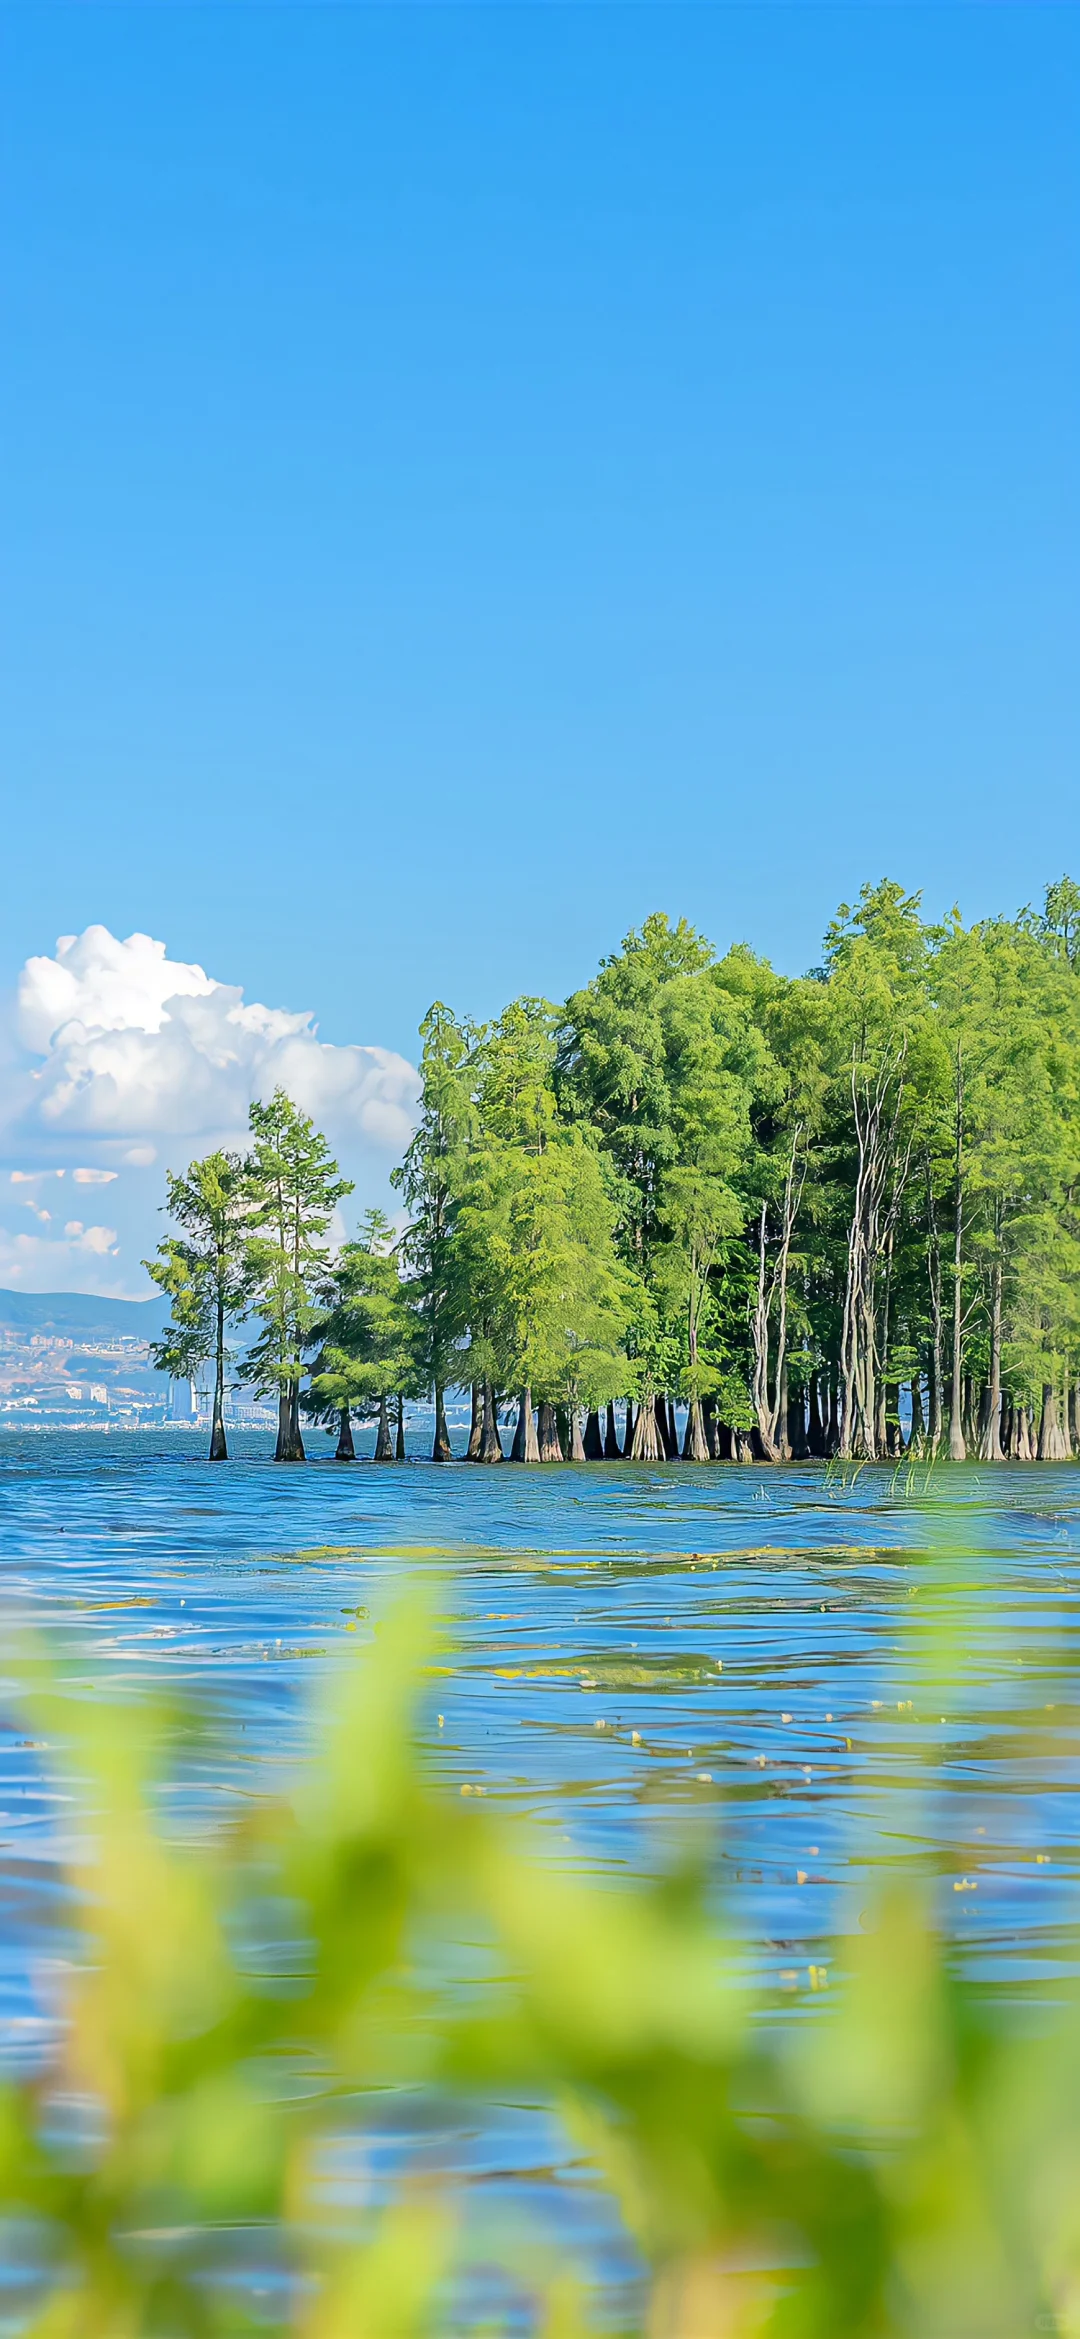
point(472, 476)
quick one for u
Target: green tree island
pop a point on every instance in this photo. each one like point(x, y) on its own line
point(832, 1214)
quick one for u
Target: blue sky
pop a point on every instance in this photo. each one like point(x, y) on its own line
point(475, 475)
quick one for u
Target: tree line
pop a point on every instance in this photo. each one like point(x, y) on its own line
point(834, 1214)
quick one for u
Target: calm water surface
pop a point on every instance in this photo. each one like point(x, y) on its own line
point(760, 1633)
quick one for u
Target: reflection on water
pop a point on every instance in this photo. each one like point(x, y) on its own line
point(632, 1651)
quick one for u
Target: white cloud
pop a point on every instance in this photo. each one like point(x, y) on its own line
point(105, 984)
point(131, 1059)
point(99, 1239)
point(135, 1045)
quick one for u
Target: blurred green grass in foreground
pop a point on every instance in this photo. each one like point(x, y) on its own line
point(904, 2162)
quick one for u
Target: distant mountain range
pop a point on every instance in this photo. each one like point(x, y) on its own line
point(79, 1313)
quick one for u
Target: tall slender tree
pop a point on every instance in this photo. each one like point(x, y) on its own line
point(431, 1178)
point(203, 1271)
point(293, 1188)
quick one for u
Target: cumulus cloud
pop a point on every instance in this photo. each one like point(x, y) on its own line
point(132, 1062)
point(136, 1046)
point(99, 1239)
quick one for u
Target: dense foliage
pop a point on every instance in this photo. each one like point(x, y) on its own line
point(831, 1214)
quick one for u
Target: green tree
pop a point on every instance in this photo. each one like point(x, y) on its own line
point(779, 1199)
point(293, 1187)
point(662, 1056)
point(536, 1225)
point(566, 1298)
point(431, 1179)
point(613, 1066)
point(203, 1272)
point(878, 1004)
point(368, 1346)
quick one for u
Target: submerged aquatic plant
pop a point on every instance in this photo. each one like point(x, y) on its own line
point(900, 2161)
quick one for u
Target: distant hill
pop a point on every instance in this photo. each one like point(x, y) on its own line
point(78, 1313)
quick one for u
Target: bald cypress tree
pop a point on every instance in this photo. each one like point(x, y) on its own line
point(203, 1271)
point(293, 1187)
point(367, 1346)
point(431, 1179)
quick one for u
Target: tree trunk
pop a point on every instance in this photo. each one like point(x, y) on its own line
point(290, 1444)
point(346, 1451)
point(982, 1426)
point(219, 1451)
point(1047, 1423)
point(612, 1448)
point(562, 1428)
point(935, 1368)
point(549, 1448)
point(990, 1442)
point(476, 1423)
point(648, 1441)
point(628, 1432)
point(879, 1181)
point(769, 1405)
point(695, 1443)
point(525, 1448)
point(399, 1449)
point(575, 1449)
point(712, 1428)
point(441, 1450)
point(832, 1434)
point(782, 1440)
point(384, 1451)
point(815, 1427)
point(1052, 1444)
point(664, 1428)
point(894, 1433)
point(594, 1438)
point(797, 1441)
point(763, 1407)
point(957, 1445)
point(490, 1441)
point(744, 1448)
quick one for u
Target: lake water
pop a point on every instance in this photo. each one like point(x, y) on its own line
point(758, 1631)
